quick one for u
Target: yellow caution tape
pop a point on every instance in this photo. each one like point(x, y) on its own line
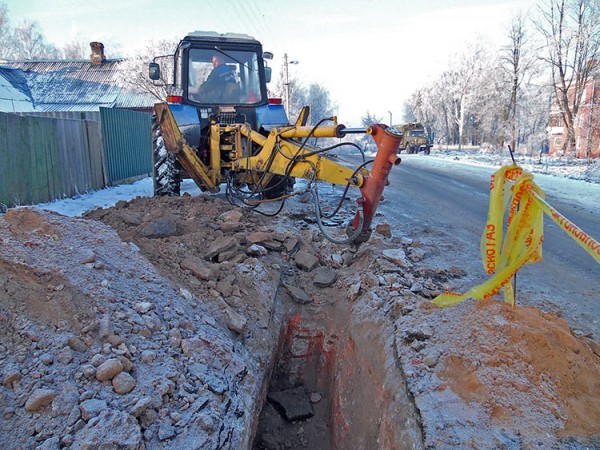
point(503, 256)
point(589, 244)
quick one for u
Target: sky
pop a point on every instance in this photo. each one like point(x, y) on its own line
point(370, 54)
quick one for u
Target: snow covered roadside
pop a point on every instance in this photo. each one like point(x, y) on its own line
point(567, 179)
point(575, 181)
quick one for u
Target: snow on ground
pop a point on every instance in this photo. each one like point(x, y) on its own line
point(567, 179)
point(578, 180)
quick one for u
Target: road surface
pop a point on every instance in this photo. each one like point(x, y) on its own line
point(447, 210)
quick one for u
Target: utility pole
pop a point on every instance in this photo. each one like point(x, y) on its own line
point(287, 83)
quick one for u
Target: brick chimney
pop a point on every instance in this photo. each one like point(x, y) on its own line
point(97, 55)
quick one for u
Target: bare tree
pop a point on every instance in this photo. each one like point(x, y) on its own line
point(518, 65)
point(319, 100)
point(571, 30)
point(421, 107)
point(370, 119)
point(31, 44)
point(135, 68)
point(470, 80)
point(76, 50)
point(6, 39)
point(412, 107)
point(298, 93)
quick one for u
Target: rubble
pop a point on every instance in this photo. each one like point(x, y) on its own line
point(124, 331)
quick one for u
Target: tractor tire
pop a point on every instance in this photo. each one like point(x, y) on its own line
point(165, 168)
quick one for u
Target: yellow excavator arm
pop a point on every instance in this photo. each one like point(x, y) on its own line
point(253, 159)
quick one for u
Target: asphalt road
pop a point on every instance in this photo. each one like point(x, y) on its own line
point(447, 211)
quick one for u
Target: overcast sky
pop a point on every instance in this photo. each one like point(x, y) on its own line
point(370, 54)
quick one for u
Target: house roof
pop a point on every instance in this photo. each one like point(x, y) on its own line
point(70, 85)
point(14, 92)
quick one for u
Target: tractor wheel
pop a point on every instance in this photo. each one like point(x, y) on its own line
point(165, 168)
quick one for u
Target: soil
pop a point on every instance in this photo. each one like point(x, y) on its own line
point(185, 322)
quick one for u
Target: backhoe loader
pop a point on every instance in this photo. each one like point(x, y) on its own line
point(219, 127)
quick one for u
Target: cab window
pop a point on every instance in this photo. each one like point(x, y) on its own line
point(227, 77)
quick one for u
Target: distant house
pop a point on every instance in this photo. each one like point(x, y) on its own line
point(69, 85)
point(586, 125)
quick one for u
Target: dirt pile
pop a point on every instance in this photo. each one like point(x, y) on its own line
point(97, 348)
point(520, 374)
point(164, 336)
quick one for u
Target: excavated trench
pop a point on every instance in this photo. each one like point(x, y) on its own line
point(335, 383)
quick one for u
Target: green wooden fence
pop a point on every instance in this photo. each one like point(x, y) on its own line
point(48, 158)
point(127, 143)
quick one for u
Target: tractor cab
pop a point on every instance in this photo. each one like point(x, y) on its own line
point(218, 69)
point(223, 77)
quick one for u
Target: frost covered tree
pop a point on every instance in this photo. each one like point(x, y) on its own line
point(369, 119)
point(76, 50)
point(518, 66)
point(25, 41)
point(319, 100)
point(30, 43)
point(412, 108)
point(296, 90)
point(6, 39)
point(571, 33)
point(135, 68)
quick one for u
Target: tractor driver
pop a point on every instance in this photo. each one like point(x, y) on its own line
point(220, 85)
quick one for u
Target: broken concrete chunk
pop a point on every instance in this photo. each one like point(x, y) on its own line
point(235, 215)
point(201, 269)
point(293, 404)
point(123, 383)
point(92, 408)
point(306, 261)
point(397, 256)
point(324, 277)
point(77, 344)
point(163, 227)
point(259, 237)
point(231, 227)
point(39, 398)
point(384, 229)
point(234, 320)
point(298, 295)
point(108, 369)
point(10, 375)
point(221, 245)
point(256, 250)
point(290, 243)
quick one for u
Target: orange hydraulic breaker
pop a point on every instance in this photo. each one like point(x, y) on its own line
point(387, 140)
